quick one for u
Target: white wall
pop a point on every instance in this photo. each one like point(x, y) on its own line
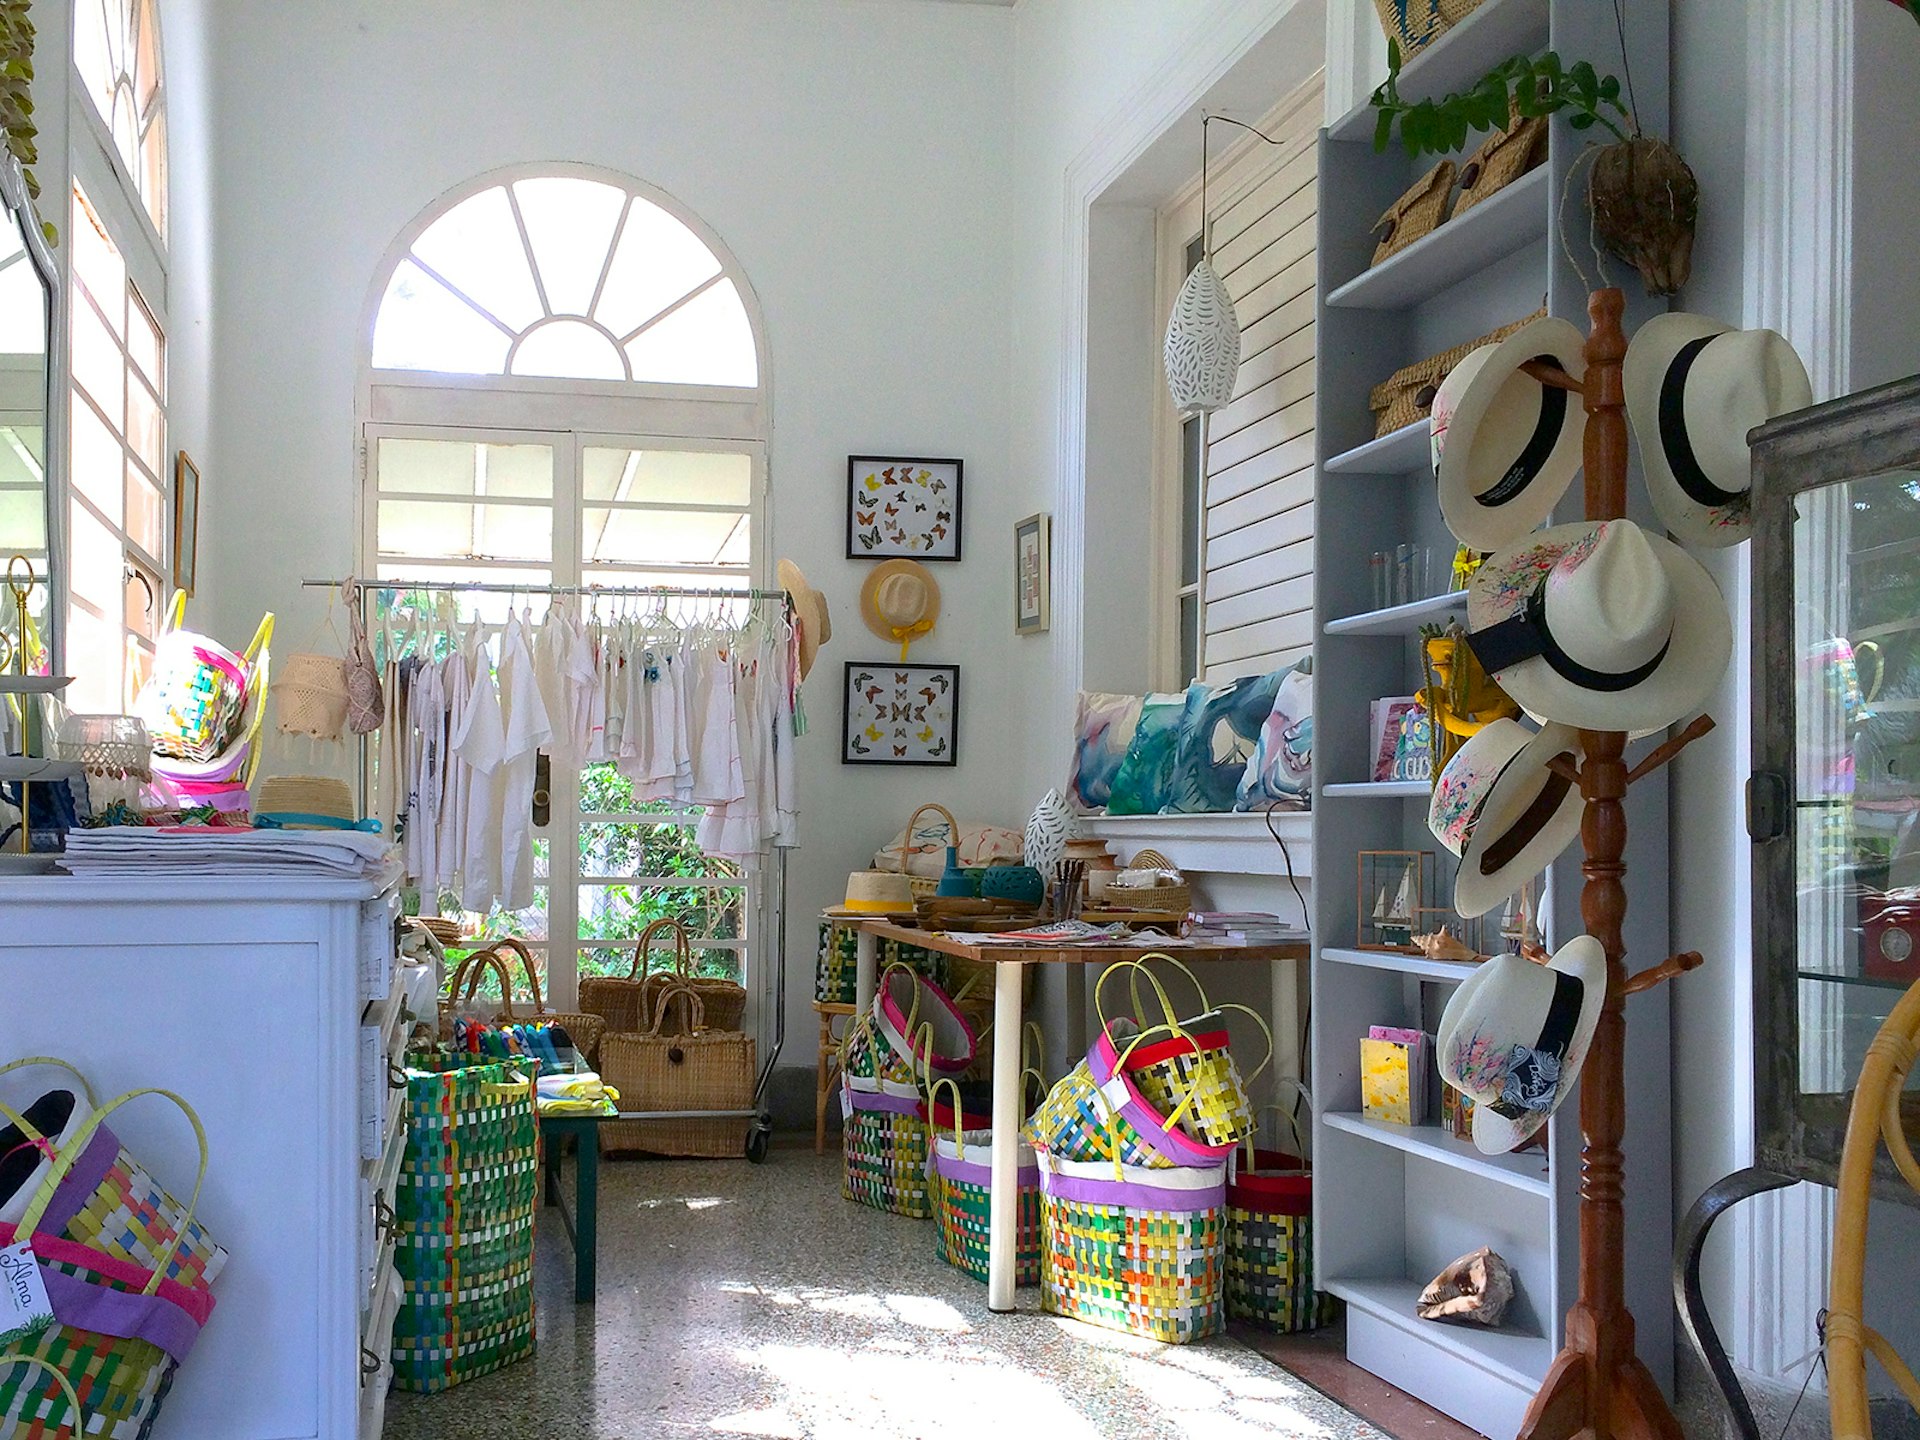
point(853, 155)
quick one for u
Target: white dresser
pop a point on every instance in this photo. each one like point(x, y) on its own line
point(272, 1007)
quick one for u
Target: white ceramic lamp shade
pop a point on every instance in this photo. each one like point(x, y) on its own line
point(1203, 343)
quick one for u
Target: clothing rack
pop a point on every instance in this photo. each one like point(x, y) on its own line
point(773, 993)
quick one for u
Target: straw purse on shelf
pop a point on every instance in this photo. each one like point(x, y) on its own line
point(1415, 24)
point(1503, 157)
point(1415, 214)
point(1406, 396)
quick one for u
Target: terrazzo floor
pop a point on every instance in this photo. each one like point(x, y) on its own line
point(754, 1301)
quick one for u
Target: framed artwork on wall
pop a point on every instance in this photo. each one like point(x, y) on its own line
point(186, 521)
point(902, 507)
point(1033, 575)
point(900, 714)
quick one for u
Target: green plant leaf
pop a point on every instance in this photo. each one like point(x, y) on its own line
point(1581, 121)
point(1383, 130)
point(1610, 88)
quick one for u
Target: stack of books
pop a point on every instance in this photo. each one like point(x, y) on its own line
point(1254, 927)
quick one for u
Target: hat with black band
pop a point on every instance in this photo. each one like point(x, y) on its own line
point(1501, 807)
point(1695, 388)
point(1599, 625)
point(1515, 1036)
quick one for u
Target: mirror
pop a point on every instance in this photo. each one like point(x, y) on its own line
point(29, 295)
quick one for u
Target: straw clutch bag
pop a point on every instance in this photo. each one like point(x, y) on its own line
point(1406, 396)
point(1416, 24)
point(1503, 157)
point(1415, 213)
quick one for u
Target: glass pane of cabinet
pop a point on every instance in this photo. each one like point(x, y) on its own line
point(1836, 803)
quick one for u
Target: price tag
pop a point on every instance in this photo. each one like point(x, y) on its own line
point(24, 1308)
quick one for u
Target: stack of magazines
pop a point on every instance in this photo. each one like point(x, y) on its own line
point(216, 853)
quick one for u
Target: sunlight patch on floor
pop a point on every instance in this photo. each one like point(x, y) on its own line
point(923, 1312)
point(773, 1423)
point(689, 1202)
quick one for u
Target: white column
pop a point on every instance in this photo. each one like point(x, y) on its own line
point(1003, 1186)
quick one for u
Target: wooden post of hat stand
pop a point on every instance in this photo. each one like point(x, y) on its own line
point(1597, 1386)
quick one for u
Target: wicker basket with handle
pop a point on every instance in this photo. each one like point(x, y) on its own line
point(626, 1002)
point(583, 1027)
point(925, 885)
point(455, 1005)
point(1171, 896)
point(701, 1069)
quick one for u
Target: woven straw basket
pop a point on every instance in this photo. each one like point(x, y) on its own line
point(627, 1002)
point(1175, 896)
point(1416, 24)
point(700, 1069)
point(925, 885)
point(1406, 396)
point(1503, 157)
point(1415, 214)
point(583, 1027)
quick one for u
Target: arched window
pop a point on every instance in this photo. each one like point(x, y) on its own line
point(564, 385)
point(565, 276)
point(116, 49)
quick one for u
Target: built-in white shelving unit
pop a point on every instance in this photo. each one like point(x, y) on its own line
point(1395, 1204)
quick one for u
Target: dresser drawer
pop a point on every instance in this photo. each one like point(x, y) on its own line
point(383, 1089)
point(377, 944)
point(376, 1360)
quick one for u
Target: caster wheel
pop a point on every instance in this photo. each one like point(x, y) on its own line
point(757, 1139)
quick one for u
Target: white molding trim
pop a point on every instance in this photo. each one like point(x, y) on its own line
point(1134, 125)
point(1238, 844)
point(1798, 280)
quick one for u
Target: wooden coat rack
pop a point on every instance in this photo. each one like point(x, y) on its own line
point(1597, 1388)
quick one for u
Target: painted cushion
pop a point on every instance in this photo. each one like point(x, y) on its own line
point(1280, 769)
point(1102, 730)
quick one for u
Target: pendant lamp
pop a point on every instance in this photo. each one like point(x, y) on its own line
point(1202, 351)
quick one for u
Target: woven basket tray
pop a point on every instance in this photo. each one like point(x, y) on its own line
point(1175, 897)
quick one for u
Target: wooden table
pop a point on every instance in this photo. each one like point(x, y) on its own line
point(1009, 963)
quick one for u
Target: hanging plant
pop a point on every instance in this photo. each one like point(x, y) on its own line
point(1644, 197)
point(16, 94)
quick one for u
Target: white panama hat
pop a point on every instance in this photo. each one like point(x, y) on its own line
point(1505, 446)
point(1695, 387)
point(1515, 1036)
point(1599, 625)
point(1503, 812)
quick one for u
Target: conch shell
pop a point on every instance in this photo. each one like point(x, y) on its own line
point(1476, 1289)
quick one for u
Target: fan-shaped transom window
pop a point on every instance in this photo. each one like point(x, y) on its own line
point(116, 49)
point(565, 277)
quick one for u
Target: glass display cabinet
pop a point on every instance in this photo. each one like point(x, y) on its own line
point(1834, 802)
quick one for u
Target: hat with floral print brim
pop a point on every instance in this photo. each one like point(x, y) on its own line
point(1515, 1036)
point(1502, 809)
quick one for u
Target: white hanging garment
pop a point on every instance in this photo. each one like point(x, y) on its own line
point(481, 746)
point(782, 730)
point(427, 714)
point(581, 676)
point(733, 829)
point(551, 644)
point(527, 728)
point(593, 747)
point(389, 774)
point(718, 778)
point(456, 784)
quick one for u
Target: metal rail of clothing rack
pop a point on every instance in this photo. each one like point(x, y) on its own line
point(773, 990)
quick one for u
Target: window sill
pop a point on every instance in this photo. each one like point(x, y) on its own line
point(1237, 844)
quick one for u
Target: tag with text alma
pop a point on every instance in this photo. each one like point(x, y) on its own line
point(24, 1308)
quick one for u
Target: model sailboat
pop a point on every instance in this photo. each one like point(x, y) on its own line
point(1394, 919)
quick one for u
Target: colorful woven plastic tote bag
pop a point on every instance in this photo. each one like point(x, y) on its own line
point(960, 1175)
point(1133, 1249)
point(127, 1270)
point(1097, 1112)
point(886, 1143)
point(1270, 1242)
point(922, 1023)
point(469, 1185)
point(1189, 1074)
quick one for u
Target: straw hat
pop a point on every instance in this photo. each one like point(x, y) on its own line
point(1506, 446)
point(875, 892)
point(1503, 812)
point(809, 612)
point(900, 602)
point(1695, 388)
point(306, 802)
point(1599, 625)
point(1515, 1036)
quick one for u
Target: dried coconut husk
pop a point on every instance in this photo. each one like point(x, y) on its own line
point(1645, 202)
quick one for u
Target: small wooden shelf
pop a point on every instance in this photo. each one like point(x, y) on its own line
point(1379, 790)
point(1514, 1356)
point(1451, 971)
point(1526, 1172)
point(1514, 219)
point(1456, 60)
point(1398, 452)
point(1398, 619)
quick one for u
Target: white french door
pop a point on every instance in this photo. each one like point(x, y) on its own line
point(533, 509)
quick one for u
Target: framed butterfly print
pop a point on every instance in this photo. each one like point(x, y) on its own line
point(902, 507)
point(900, 714)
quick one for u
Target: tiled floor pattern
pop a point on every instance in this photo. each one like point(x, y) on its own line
point(754, 1301)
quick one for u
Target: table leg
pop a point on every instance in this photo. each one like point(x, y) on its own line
point(866, 970)
point(586, 1238)
point(1003, 1194)
point(552, 1141)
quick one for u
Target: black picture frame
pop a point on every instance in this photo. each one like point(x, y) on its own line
point(862, 677)
point(866, 539)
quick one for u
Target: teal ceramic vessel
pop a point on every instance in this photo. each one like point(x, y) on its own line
point(957, 880)
point(1021, 883)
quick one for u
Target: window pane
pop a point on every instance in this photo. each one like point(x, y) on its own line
point(620, 912)
point(1189, 638)
point(451, 530)
point(605, 791)
point(96, 263)
point(717, 962)
point(152, 169)
point(672, 477)
point(645, 850)
point(1190, 501)
point(657, 261)
point(145, 426)
point(489, 606)
point(98, 366)
point(707, 341)
point(569, 348)
point(146, 513)
point(96, 560)
point(663, 537)
point(459, 467)
point(98, 459)
point(94, 656)
point(142, 599)
point(477, 247)
point(570, 225)
point(144, 345)
point(424, 326)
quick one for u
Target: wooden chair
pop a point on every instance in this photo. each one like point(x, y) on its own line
point(1875, 1115)
point(826, 1068)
